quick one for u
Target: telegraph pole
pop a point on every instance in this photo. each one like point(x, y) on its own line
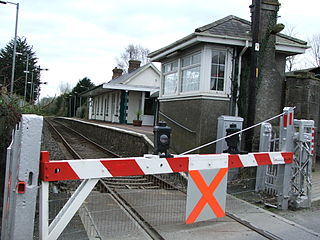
point(254, 70)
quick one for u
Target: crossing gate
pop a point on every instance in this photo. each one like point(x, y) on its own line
point(205, 201)
point(206, 189)
point(290, 184)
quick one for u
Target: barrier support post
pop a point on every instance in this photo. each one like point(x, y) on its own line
point(21, 184)
point(286, 144)
point(264, 146)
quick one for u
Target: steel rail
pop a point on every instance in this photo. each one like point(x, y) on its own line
point(153, 233)
point(89, 140)
point(64, 141)
point(135, 216)
point(124, 205)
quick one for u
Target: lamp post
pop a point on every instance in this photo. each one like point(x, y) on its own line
point(75, 104)
point(31, 86)
point(14, 44)
point(25, 82)
point(26, 72)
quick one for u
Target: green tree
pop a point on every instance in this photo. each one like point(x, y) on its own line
point(83, 85)
point(75, 101)
point(21, 60)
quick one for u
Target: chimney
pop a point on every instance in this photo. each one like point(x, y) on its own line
point(117, 72)
point(133, 64)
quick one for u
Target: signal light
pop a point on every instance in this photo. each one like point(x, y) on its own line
point(162, 134)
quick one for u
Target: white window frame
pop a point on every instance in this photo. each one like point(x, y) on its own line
point(182, 68)
point(227, 72)
point(205, 64)
point(171, 71)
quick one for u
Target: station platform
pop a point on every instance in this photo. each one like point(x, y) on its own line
point(147, 130)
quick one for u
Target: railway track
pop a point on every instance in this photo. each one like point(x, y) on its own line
point(81, 147)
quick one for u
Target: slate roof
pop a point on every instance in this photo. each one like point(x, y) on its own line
point(231, 27)
point(237, 27)
point(118, 83)
point(123, 78)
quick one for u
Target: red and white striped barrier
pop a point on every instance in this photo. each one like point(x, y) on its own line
point(152, 164)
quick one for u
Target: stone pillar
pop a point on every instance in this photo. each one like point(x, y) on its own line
point(303, 92)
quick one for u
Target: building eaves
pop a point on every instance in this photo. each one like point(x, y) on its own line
point(123, 79)
point(180, 41)
point(236, 31)
point(129, 87)
point(91, 89)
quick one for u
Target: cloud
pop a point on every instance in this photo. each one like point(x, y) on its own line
point(81, 38)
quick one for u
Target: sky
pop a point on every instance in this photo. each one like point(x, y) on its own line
point(82, 38)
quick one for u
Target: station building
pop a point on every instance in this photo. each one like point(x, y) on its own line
point(126, 97)
point(205, 75)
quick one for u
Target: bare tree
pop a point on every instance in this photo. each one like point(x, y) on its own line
point(132, 52)
point(291, 60)
point(314, 50)
point(64, 87)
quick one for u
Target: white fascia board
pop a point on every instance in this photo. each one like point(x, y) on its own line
point(291, 48)
point(202, 38)
point(172, 50)
point(128, 87)
point(225, 40)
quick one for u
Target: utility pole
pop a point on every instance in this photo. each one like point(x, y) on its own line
point(254, 70)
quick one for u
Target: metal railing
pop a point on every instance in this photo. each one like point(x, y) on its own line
point(175, 122)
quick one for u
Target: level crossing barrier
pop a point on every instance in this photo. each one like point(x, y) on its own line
point(206, 177)
point(290, 184)
point(198, 166)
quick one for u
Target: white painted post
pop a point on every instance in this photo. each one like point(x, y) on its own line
point(286, 144)
point(44, 211)
point(264, 146)
point(22, 179)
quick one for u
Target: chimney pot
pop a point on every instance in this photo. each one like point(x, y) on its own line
point(133, 64)
point(117, 72)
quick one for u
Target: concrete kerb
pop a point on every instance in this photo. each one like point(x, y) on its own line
point(260, 225)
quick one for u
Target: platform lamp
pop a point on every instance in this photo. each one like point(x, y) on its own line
point(14, 44)
point(26, 72)
point(74, 103)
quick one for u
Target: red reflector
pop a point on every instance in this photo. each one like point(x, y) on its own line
point(21, 187)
